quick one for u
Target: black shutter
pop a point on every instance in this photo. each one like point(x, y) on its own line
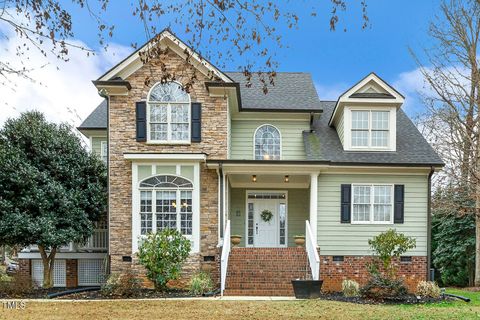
point(196, 120)
point(141, 115)
point(398, 203)
point(345, 201)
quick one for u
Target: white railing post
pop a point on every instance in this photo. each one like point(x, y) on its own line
point(225, 255)
point(312, 253)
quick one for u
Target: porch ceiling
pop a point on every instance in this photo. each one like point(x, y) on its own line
point(276, 181)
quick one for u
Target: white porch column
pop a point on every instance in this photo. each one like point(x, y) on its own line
point(314, 204)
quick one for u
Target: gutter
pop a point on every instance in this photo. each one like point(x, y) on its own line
point(429, 223)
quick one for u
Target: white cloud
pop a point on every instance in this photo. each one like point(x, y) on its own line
point(413, 86)
point(63, 91)
point(330, 92)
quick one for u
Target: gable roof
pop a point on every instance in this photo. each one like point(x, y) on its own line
point(412, 149)
point(97, 119)
point(292, 91)
point(132, 63)
point(355, 93)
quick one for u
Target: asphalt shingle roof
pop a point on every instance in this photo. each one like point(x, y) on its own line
point(97, 119)
point(324, 144)
point(291, 91)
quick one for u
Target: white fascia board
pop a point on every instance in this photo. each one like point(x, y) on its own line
point(133, 63)
point(64, 255)
point(165, 156)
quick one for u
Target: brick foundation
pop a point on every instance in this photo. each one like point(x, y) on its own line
point(24, 269)
point(355, 268)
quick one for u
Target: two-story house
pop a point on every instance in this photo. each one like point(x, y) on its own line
point(226, 159)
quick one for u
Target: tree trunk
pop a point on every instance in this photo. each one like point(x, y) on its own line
point(48, 263)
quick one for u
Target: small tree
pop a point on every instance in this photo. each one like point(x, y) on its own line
point(389, 245)
point(51, 187)
point(163, 254)
point(386, 246)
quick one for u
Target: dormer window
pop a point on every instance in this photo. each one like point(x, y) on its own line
point(267, 143)
point(168, 111)
point(370, 128)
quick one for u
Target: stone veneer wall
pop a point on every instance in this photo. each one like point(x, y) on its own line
point(122, 139)
point(355, 268)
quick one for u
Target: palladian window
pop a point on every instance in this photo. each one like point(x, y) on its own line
point(168, 113)
point(267, 142)
point(166, 202)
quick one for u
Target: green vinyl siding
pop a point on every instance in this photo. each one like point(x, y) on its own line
point(242, 132)
point(97, 144)
point(297, 212)
point(335, 238)
point(340, 129)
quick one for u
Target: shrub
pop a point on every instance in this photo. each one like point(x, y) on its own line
point(163, 254)
point(200, 283)
point(121, 285)
point(350, 288)
point(15, 287)
point(381, 287)
point(387, 246)
point(428, 289)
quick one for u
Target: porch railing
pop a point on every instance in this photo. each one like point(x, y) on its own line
point(97, 241)
point(312, 253)
point(225, 255)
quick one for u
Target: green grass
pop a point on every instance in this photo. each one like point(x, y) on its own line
point(214, 309)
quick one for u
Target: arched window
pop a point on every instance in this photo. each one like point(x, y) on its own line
point(169, 113)
point(267, 142)
point(166, 202)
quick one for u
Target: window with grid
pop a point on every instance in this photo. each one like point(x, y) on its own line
point(372, 203)
point(172, 196)
point(169, 113)
point(267, 143)
point(104, 151)
point(370, 128)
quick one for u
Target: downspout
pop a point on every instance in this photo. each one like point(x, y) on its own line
point(220, 170)
point(429, 223)
point(104, 94)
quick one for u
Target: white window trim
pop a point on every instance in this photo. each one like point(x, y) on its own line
point(136, 223)
point(371, 221)
point(102, 155)
point(178, 207)
point(169, 115)
point(392, 130)
point(279, 133)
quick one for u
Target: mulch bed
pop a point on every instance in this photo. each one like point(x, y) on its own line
point(30, 294)
point(407, 299)
point(139, 294)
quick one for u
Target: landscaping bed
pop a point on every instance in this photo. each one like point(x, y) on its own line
point(405, 299)
point(138, 294)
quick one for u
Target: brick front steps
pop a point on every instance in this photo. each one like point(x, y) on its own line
point(265, 271)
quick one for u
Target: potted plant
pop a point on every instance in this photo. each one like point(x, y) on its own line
point(299, 240)
point(235, 239)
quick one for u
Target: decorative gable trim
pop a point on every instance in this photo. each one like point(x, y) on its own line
point(132, 63)
point(361, 93)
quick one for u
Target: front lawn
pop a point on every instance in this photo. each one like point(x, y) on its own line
point(208, 309)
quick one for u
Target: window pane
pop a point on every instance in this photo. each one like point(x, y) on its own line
point(168, 92)
point(359, 138)
point(180, 131)
point(250, 224)
point(166, 206)
point(158, 113)
point(382, 199)
point(158, 131)
point(186, 212)
point(360, 120)
point(179, 113)
point(267, 143)
point(282, 214)
point(380, 120)
point(361, 203)
point(380, 138)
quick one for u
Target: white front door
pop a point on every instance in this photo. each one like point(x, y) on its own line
point(266, 231)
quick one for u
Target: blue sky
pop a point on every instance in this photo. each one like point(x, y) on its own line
point(336, 60)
